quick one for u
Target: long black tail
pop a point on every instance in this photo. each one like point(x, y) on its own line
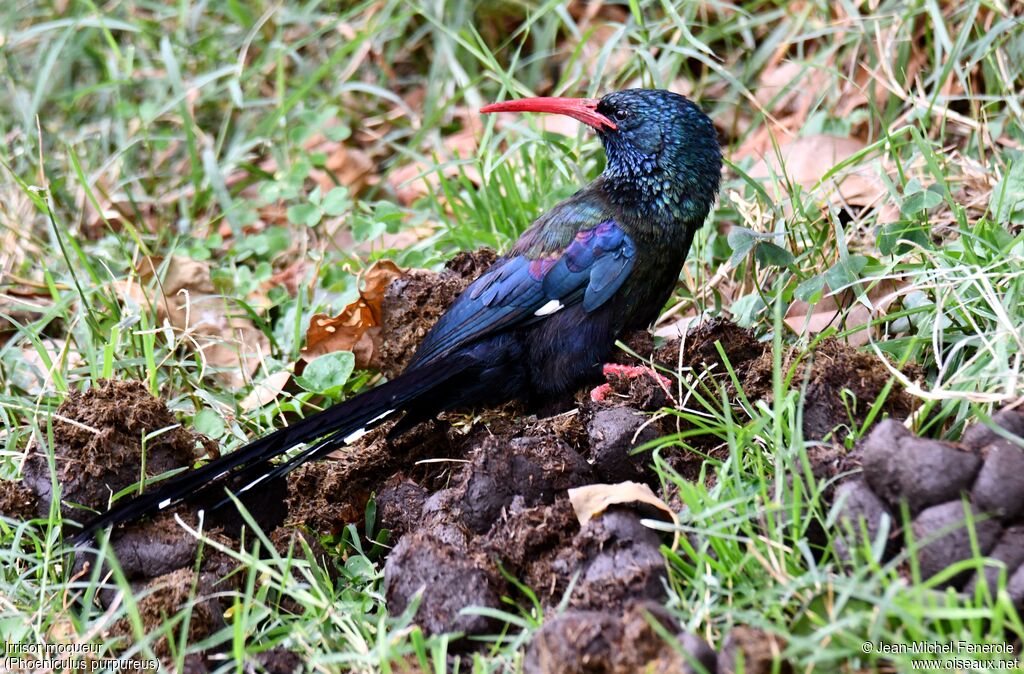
point(251, 465)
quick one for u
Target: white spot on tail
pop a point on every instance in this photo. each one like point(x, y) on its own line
point(163, 504)
point(549, 308)
point(252, 484)
point(355, 435)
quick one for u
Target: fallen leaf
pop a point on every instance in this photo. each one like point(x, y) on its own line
point(678, 328)
point(217, 328)
point(62, 355)
point(843, 310)
point(290, 277)
point(592, 500)
point(265, 391)
point(789, 87)
point(417, 179)
point(351, 167)
point(357, 327)
point(806, 160)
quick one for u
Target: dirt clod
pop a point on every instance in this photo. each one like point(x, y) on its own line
point(900, 466)
point(450, 580)
point(861, 512)
point(700, 351)
point(980, 435)
point(527, 470)
point(321, 497)
point(154, 547)
point(944, 539)
point(164, 597)
point(613, 642)
point(574, 642)
point(1009, 551)
point(399, 505)
point(752, 651)
point(528, 542)
point(999, 488)
point(618, 558)
point(613, 433)
point(98, 445)
point(17, 501)
point(1015, 588)
point(324, 496)
point(413, 303)
point(842, 385)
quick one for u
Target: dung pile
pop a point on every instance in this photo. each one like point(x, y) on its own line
point(98, 446)
point(954, 493)
point(470, 500)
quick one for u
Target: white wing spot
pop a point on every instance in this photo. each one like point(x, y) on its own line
point(163, 504)
point(549, 308)
point(355, 435)
point(252, 484)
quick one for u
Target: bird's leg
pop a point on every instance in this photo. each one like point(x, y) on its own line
point(615, 371)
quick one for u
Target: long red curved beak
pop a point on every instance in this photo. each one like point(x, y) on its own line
point(582, 109)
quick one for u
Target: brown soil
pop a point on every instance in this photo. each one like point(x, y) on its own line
point(17, 501)
point(842, 384)
point(615, 642)
point(98, 446)
point(413, 303)
point(468, 496)
point(164, 597)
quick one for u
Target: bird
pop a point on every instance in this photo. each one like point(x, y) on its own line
point(538, 323)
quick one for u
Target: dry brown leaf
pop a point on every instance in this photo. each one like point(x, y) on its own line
point(792, 86)
point(353, 168)
point(813, 319)
point(225, 337)
point(593, 499)
point(806, 160)
point(63, 356)
point(417, 179)
point(265, 391)
point(678, 328)
point(357, 327)
point(290, 277)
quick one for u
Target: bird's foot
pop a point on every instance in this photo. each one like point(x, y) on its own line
point(620, 377)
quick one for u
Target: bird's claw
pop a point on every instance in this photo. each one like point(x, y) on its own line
point(617, 371)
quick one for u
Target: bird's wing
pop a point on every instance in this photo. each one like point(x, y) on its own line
point(525, 288)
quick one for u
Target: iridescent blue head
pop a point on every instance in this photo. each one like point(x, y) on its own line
point(663, 153)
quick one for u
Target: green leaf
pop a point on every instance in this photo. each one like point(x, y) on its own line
point(810, 290)
point(892, 237)
point(746, 309)
point(367, 228)
point(767, 253)
point(845, 272)
point(741, 241)
point(1007, 203)
point(337, 202)
point(328, 373)
point(921, 201)
point(209, 423)
point(304, 214)
point(338, 133)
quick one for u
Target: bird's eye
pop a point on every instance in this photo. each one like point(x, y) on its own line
point(620, 114)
